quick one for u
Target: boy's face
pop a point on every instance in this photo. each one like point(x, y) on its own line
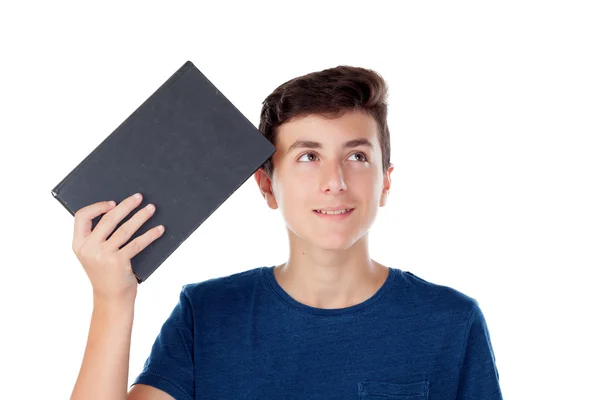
point(325, 174)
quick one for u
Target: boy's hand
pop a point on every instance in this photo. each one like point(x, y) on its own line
point(107, 266)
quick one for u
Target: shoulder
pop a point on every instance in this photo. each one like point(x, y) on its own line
point(436, 298)
point(223, 289)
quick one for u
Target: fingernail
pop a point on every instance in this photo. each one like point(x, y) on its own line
point(137, 196)
point(112, 203)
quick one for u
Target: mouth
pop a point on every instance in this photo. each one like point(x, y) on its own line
point(334, 214)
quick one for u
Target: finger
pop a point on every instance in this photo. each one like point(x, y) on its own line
point(83, 220)
point(108, 223)
point(141, 242)
point(125, 231)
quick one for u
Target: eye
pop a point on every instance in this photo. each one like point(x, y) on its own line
point(361, 155)
point(307, 154)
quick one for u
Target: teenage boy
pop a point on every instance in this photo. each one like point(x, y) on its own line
point(330, 322)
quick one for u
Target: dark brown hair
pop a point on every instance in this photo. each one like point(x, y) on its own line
point(329, 93)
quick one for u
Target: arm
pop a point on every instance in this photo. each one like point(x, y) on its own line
point(105, 365)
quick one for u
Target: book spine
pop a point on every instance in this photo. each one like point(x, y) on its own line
point(56, 194)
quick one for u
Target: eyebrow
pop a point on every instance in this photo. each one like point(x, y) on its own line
point(316, 145)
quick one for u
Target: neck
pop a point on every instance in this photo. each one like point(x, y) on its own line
point(325, 278)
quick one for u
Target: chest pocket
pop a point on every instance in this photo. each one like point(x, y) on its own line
point(398, 391)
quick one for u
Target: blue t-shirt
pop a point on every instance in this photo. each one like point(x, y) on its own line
point(243, 337)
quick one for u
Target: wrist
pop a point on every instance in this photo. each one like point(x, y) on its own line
point(115, 304)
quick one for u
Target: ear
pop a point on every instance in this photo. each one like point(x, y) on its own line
point(387, 183)
point(265, 186)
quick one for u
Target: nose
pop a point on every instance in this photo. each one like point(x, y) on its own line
point(332, 178)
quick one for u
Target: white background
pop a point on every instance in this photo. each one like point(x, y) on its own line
point(495, 121)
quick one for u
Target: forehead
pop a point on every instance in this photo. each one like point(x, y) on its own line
point(350, 125)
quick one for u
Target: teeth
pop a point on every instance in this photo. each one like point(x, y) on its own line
point(333, 212)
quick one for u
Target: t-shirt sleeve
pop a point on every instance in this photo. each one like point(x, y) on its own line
point(170, 367)
point(478, 375)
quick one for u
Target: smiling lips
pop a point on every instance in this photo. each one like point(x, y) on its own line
point(335, 214)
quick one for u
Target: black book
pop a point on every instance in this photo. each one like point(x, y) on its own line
point(187, 148)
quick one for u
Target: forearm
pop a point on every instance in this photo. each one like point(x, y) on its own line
point(105, 367)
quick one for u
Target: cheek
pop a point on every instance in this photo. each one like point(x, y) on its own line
point(293, 193)
point(364, 184)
